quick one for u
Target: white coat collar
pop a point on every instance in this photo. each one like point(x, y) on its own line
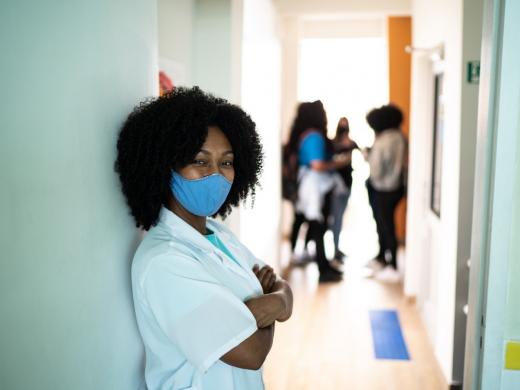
point(179, 228)
point(186, 234)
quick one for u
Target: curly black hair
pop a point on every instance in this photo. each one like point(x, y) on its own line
point(384, 118)
point(167, 132)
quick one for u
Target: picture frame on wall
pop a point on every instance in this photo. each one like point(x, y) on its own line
point(437, 144)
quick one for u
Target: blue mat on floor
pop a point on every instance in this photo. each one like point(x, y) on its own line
point(387, 335)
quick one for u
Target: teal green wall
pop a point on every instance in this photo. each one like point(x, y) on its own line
point(70, 71)
point(511, 379)
point(513, 304)
point(502, 322)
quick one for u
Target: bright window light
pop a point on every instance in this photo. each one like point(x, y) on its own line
point(350, 77)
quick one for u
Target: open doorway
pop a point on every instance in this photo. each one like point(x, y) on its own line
point(350, 77)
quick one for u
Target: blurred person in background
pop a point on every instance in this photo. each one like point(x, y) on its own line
point(343, 146)
point(385, 184)
point(318, 180)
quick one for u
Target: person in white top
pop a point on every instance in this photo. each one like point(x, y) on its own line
point(205, 305)
point(386, 181)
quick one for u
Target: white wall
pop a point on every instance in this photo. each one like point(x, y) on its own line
point(291, 34)
point(261, 97)
point(373, 26)
point(198, 43)
point(211, 61)
point(439, 247)
point(335, 7)
point(175, 19)
point(432, 241)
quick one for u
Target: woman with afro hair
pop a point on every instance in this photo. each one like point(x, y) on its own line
point(386, 184)
point(205, 306)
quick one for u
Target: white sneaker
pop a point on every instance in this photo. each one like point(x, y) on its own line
point(337, 265)
point(388, 275)
point(301, 259)
point(375, 265)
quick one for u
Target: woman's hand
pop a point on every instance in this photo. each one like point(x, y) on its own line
point(266, 277)
point(365, 152)
point(343, 159)
point(266, 309)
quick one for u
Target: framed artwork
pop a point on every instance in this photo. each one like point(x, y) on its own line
point(438, 134)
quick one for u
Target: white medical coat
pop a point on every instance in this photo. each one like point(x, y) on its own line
point(189, 303)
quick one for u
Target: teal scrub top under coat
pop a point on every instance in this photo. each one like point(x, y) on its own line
point(217, 243)
point(189, 302)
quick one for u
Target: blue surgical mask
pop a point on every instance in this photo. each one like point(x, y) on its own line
point(202, 197)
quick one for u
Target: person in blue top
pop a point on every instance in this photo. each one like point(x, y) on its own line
point(206, 307)
point(318, 180)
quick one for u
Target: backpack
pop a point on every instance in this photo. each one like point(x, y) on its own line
point(289, 174)
point(290, 167)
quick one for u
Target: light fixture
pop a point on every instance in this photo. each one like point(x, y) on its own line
point(436, 53)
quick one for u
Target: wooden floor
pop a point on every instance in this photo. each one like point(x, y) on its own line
point(327, 344)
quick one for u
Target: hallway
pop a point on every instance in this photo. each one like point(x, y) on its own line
point(327, 344)
point(71, 74)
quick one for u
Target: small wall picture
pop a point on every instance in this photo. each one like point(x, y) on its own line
point(165, 83)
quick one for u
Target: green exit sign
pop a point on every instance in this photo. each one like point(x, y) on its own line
point(473, 72)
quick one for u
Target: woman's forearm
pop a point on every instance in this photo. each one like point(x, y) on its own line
point(328, 165)
point(251, 353)
point(267, 308)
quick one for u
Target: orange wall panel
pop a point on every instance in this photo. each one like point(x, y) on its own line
point(399, 64)
point(399, 68)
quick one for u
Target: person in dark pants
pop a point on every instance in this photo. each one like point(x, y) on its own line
point(383, 206)
point(385, 184)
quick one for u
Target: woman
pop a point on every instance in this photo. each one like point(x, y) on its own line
point(385, 184)
point(205, 306)
point(343, 145)
point(317, 180)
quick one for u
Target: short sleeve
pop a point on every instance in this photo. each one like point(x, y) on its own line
point(312, 148)
point(201, 317)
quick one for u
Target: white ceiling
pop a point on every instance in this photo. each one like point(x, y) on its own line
point(340, 8)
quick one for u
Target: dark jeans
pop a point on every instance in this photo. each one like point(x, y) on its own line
point(338, 207)
point(383, 205)
point(298, 221)
point(316, 232)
